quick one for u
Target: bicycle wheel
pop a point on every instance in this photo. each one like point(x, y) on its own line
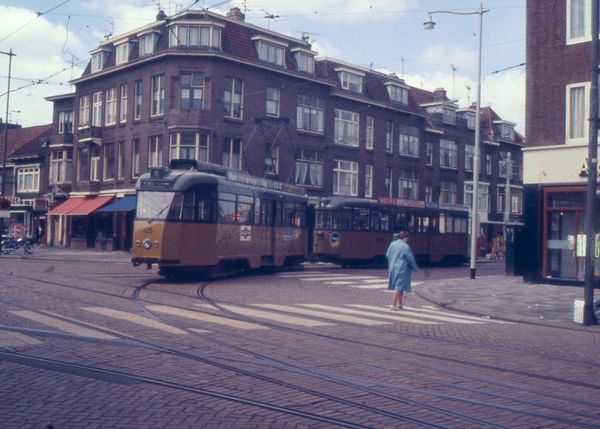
point(5, 249)
point(28, 248)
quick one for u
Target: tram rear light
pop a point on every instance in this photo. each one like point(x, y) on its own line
point(237, 217)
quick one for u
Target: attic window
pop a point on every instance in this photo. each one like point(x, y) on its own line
point(122, 53)
point(270, 52)
point(448, 115)
point(305, 62)
point(508, 131)
point(204, 36)
point(397, 93)
point(350, 81)
point(98, 60)
point(147, 44)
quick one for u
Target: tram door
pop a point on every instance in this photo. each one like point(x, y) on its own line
point(270, 212)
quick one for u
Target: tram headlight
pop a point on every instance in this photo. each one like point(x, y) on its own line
point(156, 244)
point(138, 243)
point(147, 244)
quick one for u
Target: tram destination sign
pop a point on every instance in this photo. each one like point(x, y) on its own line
point(421, 204)
point(259, 182)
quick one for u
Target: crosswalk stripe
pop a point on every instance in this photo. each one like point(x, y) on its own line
point(135, 318)
point(204, 317)
point(301, 274)
point(68, 327)
point(321, 314)
point(92, 325)
point(346, 277)
point(413, 312)
point(460, 316)
point(372, 286)
point(377, 280)
point(16, 340)
point(396, 316)
point(275, 316)
point(341, 282)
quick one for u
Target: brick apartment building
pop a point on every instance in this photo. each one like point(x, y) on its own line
point(557, 112)
point(214, 88)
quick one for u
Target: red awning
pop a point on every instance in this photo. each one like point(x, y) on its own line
point(67, 206)
point(80, 206)
point(89, 205)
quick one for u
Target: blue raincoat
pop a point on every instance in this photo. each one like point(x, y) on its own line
point(400, 266)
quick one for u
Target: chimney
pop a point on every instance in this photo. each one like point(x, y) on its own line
point(439, 94)
point(236, 13)
point(161, 15)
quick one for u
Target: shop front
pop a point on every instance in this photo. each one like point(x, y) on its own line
point(555, 186)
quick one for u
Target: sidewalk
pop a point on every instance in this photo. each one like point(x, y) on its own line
point(508, 298)
point(498, 297)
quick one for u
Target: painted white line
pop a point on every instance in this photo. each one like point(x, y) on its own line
point(70, 328)
point(16, 340)
point(383, 280)
point(92, 325)
point(346, 277)
point(275, 316)
point(204, 317)
point(372, 286)
point(396, 315)
point(321, 314)
point(135, 318)
point(340, 283)
point(427, 309)
point(413, 313)
point(311, 273)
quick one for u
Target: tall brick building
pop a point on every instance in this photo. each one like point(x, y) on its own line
point(214, 88)
point(557, 113)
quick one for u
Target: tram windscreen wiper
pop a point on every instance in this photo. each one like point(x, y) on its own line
point(159, 213)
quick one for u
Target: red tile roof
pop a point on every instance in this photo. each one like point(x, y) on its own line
point(19, 137)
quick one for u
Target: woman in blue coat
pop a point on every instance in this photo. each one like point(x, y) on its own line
point(400, 266)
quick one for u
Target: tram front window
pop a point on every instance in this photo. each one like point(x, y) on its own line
point(153, 205)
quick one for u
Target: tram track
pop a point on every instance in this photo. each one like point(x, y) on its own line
point(352, 383)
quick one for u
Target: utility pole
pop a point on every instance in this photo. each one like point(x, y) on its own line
point(4, 153)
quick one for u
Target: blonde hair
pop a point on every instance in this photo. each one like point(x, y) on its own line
point(401, 235)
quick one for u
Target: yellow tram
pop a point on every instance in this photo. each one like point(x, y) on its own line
point(197, 217)
point(355, 231)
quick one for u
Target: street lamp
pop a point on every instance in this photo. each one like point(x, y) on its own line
point(430, 25)
point(10, 55)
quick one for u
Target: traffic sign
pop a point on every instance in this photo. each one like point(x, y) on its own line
point(4, 204)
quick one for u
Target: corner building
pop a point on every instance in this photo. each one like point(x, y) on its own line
point(199, 85)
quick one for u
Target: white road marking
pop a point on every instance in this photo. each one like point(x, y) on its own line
point(321, 314)
point(432, 310)
point(341, 282)
point(397, 315)
point(275, 316)
point(14, 340)
point(204, 317)
point(372, 286)
point(135, 318)
point(70, 328)
point(413, 312)
point(345, 277)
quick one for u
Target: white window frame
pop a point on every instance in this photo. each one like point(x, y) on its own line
point(108, 155)
point(351, 81)
point(448, 154)
point(137, 99)
point(157, 107)
point(232, 153)
point(347, 128)
point(61, 164)
point(233, 98)
point(147, 44)
point(409, 140)
point(388, 181)
point(577, 132)
point(273, 97)
point(84, 111)
point(270, 51)
point(345, 178)
point(408, 184)
point(305, 61)
point(122, 53)
point(181, 148)
point(397, 93)
point(429, 154)
point(368, 181)
point(97, 109)
point(516, 199)
point(203, 36)
point(370, 132)
point(65, 122)
point(28, 179)
point(155, 151)
point(123, 104)
point(94, 163)
point(272, 160)
point(111, 106)
point(448, 115)
point(483, 196)
point(309, 168)
point(469, 157)
point(98, 61)
point(135, 158)
point(194, 90)
point(585, 35)
point(120, 160)
point(389, 136)
point(448, 192)
point(310, 114)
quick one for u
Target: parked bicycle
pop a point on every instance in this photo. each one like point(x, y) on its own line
point(14, 244)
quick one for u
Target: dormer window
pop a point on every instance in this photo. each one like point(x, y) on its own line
point(471, 120)
point(204, 36)
point(269, 51)
point(397, 93)
point(147, 43)
point(508, 132)
point(122, 51)
point(350, 81)
point(448, 115)
point(305, 61)
point(98, 60)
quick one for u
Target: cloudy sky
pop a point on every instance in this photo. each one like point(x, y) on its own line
point(52, 40)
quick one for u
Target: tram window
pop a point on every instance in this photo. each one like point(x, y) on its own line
point(278, 215)
point(360, 219)
point(323, 219)
point(460, 225)
point(300, 216)
point(385, 221)
point(410, 224)
point(244, 209)
point(375, 223)
point(434, 225)
point(425, 224)
point(289, 214)
point(175, 209)
point(446, 226)
point(266, 213)
point(257, 210)
point(226, 207)
point(346, 220)
point(400, 222)
point(206, 209)
point(189, 203)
